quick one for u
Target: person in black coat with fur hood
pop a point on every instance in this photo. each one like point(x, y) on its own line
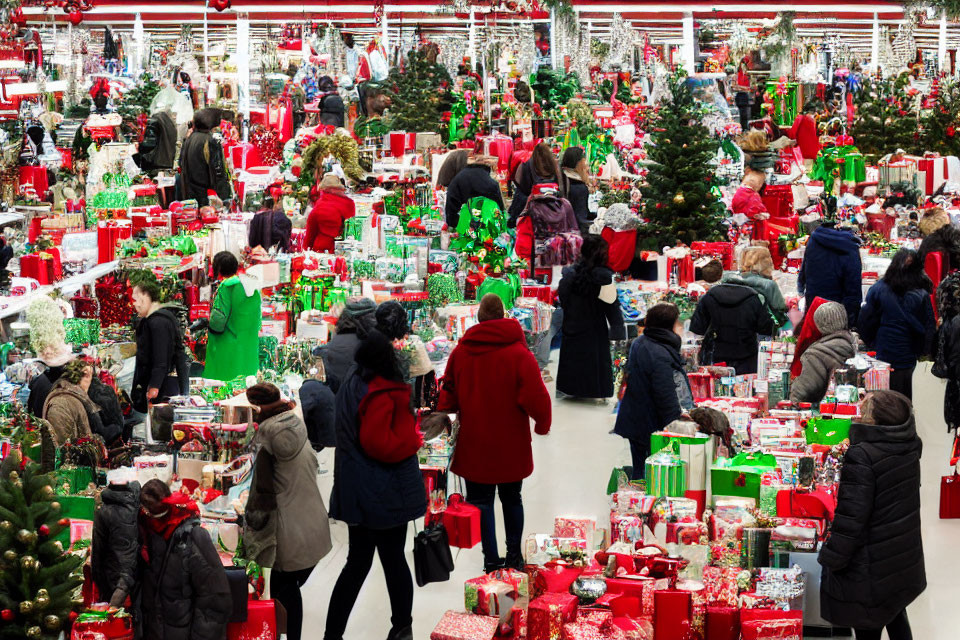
point(873, 560)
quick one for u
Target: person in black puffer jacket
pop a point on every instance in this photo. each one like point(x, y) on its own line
point(471, 181)
point(319, 411)
point(116, 542)
point(161, 369)
point(730, 317)
point(111, 415)
point(831, 269)
point(873, 560)
point(353, 324)
point(330, 103)
point(184, 589)
point(573, 186)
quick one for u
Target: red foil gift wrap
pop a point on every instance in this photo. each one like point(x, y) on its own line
point(723, 623)
point(769, 624)
point(720, 586)
point(671, 615)
point(585, 631)
point(109, 234)
point(116, 306)
point(641, 588)
point(261, 623)
point(465, 626)
point(698, 607)
point(575, 527)
point(462, 522)
point(488, 596)
point(547, 615)
point(44, 266)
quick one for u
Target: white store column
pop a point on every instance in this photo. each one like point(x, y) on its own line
point(687, 48)
point(243, 67)
point(942, 42)
point(385, 35)
point(875, 45)
point(472, 42)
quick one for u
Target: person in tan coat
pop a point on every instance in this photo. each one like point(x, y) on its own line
point(69, 410)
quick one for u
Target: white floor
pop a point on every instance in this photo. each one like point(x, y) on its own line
point(572, 468)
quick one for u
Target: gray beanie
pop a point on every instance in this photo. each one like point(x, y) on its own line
point(830, 317)
point(357, 316)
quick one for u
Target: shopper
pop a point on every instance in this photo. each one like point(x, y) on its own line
point(453, 162)
point(332, 209)
point(68, 409)
point(183, 588)
point(233, 343)
point(591, 319)
point(286, 521)
point(873, 560)
point(730, 317)
point(202, 164)
point(377, 487)
point(318, 403)
point(897, 320)
point(270, 228)
point(756, 272)
point(658, 391)
point(330, 103)
point(355, 321)
point(947, 357)
point(757, 159)
point(541, 168)
point(115, 542)
point(939, 235)
point(392, 321)
point(55, 357)
point(804, 133)
point(473, 180)
point(111, 415)
point(835, 346)
point(831, 269)
point(160, 370)
point(574, 179)
point(493, 382)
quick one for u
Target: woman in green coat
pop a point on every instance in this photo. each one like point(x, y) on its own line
point(233, 337)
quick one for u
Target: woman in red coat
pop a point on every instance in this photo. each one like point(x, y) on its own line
point(804, 133)
point(325, 221)
point(492, 379)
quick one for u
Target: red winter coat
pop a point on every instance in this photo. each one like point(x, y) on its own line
point(388, 428)
point(804, 131)
point(493, 381)
point(325, 221)
point(746, 201)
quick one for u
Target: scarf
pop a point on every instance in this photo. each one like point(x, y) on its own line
point(181, 508)
point(665, 337)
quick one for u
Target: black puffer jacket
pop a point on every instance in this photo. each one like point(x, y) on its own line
point(111, 415)
point(159, 355)
point(115, 540)
point(873, 560)
point(185, 591)
point(729, 317)
point(40, 389)
point(319, 414)
point(338, 357)
point(472, 181)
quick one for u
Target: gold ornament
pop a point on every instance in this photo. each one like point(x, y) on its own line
point(58, 546)
point(52, 623)
point(10, 555)
point(678, 199)
point(26, 607)
point(34, 632)
point(55, 506)
point(28, 563)
point(42, 599)
point(47, 492)
point(14, 476)
point(6, 526)
point(26, 537)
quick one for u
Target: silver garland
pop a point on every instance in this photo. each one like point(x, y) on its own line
point(574, 43)
point(622, 40)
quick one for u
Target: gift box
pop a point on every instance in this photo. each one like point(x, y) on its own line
point(720, 586)
point(465, 626)
point(109, 234)
point(933, 171)
point(547, 615)
point(672, 617)
point(244, 155)
point(102, 625)
point(488, 596)
point(640, 587)
point(723, 623)
point(740, 476)
point(693, 450)
point(261, 623)
point(575, 527)
point(518, 580)
point(44, 266)
point(625, 528)
point(768, 624)
point(552, 577)
point(462, 522)
point(666, 474)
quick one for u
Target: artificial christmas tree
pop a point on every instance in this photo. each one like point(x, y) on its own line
point(38, 581)
point(680, 199)
point(887, 119)
point(941, 129)
point(421, 93)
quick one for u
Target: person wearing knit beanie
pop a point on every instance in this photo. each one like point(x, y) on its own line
point(491, 308)
point(355, 321)
point(268, 401)
point(830, 318)
point(824, 356)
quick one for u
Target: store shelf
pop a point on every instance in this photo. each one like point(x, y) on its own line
point(13, 305)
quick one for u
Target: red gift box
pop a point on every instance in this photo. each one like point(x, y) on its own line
point(818, 504)
point(723, 623)
point(778, 199)
point(44, 267)
point(723, 251)
point(683, 267)
point(554, 577)
point(643, 588)
point(261, 622)
point(769, 624)
point(109, 234)
point(462, 522)
point(244, 156)
point(671, 615)
point(548, 613)
point(113, 628)
point(456, 625)
point(36, 176)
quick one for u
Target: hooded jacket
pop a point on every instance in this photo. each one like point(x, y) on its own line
point(338, 357)
point(116, 540)
point(233, 343)
point(202, 168)
point(591, 319)
point(831, 269)
point(325, 222)
point(111, 415)
point(68, 410)
point(473, 180)
point(656, 379)
point(819, 362)
point(301, 533)
point(873, 560)
point(160, 355)
point(899, 328)
point(492, 380)
point(525, 179)
point(270, 228)
point(768, 289)
point(319, 405)
point(546, 216)
point(367, 491)
point(729, 317)
point(159, 147)
point(579, 197)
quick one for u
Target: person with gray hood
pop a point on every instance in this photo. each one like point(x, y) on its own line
point(353, 324)
point(835, 346)
point(756, 272)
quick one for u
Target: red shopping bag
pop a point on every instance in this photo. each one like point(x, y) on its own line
point(950, 497)
point(462, 522)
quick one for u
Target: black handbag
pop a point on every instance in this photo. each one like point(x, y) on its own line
point(941, 368)
point(432, 560)
point(239, 583)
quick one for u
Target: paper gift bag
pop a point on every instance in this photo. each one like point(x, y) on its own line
point(723, 623)
point(741, 476)
point(462, 522)
point(666, 474)
point(950, 497)
point(261, 623)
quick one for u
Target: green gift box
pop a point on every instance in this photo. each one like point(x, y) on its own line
point(661, 440)
point(827, 431)
point(741, 476)
point(666, 475)
point(74, 508)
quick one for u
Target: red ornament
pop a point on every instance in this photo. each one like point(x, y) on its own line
point(220, 5)
point(64, 522)
point(75, 17)
point(951, 131)
point(73, 616)
point(44, 530)
point(7, 615)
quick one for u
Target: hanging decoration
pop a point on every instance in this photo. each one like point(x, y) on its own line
point(622, 39)
point(220, 5)
point(573, 45)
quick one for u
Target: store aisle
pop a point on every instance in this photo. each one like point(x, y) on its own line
point(572, 468)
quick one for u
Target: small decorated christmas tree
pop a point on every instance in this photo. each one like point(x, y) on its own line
point(38, 580)
point(421, 93)
point(941, 130)
point(886, 119)
point(680, 201)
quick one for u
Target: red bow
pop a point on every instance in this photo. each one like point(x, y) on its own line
point(100, 87)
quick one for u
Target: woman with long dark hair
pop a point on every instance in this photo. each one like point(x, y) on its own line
point(573, 186)
point(897, 319)
point(591, 318)
point(541, 168)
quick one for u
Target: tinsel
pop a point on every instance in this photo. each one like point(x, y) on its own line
point(266, 140)
point(82, 332)
point(574, 44)
point(341, 146)
point(46, 324)
point(268, 351)
point(904, 44)
point(443, 289)
point(622, 38)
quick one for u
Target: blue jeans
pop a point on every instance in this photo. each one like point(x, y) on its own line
point(482, 496)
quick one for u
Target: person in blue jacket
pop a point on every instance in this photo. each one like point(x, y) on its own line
point(658, 391)
point(831, 269)
point(897, 320)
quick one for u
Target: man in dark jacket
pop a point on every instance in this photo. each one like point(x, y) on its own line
point(658, 391)
point(202, 162)
point(473, 180)
point(158, 150)
point(355, 321)
point(160, 370)
point(111, 415)
point(330, 103)
point(730, 317)
point(873, 560)
point(270, 228)
point(831, 269)
point(116, 541)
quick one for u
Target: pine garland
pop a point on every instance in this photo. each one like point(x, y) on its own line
point(339, 145)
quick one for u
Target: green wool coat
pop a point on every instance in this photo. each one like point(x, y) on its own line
point(233, 340)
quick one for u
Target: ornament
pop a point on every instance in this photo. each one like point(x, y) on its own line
point(14, 476)
point(220, 5)
point(7, 615)
point(72, 616)
point(6, 526)
point(64, 522)
point(34, 632)
point(75, 17)
point(26, 537)
point(10, 555)
point(43, 598)
point(29, 563)
point(56, 507)
point(951, 131)
point(51, 622)
point(44, 529)
point(588, 588)
point(678, 199)
point(26, 607)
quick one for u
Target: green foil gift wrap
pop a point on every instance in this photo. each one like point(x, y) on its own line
point(82, 332)
point(740, 475)
point(666, 474)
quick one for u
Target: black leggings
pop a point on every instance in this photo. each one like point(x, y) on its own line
point(897, 629)
point(285, 588)
point(902, 380)
point(389, 544)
